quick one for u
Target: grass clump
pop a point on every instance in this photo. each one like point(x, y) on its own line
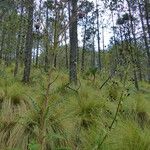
point(38, 116)
point(131, 137)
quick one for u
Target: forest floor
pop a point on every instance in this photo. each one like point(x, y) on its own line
point(49, 114)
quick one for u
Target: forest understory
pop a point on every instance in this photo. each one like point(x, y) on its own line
point(50, 114)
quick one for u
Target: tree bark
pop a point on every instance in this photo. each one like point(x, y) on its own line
point(73, 43)
point(83, 48)
point(133, 60)
point(2, 43)
point(145, 40)
point(46, 46)
point(93, 53)
point(98, 38)
point(19, 41)
point(37, 49)
point(29, 43)
point(38, 38)
point(116, 59)
point(137, 61)
point(83, 52)
point(146, 5)
point(66, 51)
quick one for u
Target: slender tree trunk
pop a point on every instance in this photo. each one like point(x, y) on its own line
point(38, 36)
point(103, 38)
point(8, 47)
point(146, 5)
point(121, 55)
point(34, 56)
point(22, 45)
point(37, 54)
point(93, 49)
point(122, 45)
point(98, 38)
point(103, 43)
point(68, 47)
point(55, 61)
point(46, 46)
point(145, 40)
point(19, 42)
point(37, 49)
point(83, 48)
point(83, 52)
point(116, 60)
point(133, 60)
point(73, 43)
point(55, 36)
point(66, 51)
point(29, 43)
point(135, 43)
point(2, 43)
point(93, 53)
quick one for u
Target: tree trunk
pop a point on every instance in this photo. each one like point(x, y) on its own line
point(133, 60)
point(55, 36)
point(83, 48)
point(55, 60)
point(135, 43)
point(29, 43)
point(46, 46)
point(93, 54)
point(145, 40)
point(103, 43)
point(37, 49)
point(18, 44)
point(66, 51)
point(121, 56)
point(98, 38)
point(83, 52)
point(116, 59)
point(146, 5)
point(73, 43)
point(8, 47)
point(22, 49)
point(2, 43)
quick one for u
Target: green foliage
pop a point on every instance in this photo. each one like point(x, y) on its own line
point(34, 146)
point(132, 137)
point(72, 120)
point(91, 72)
point(114, 90)
point(7, 5)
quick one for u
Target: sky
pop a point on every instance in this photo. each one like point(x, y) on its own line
point(104, 20)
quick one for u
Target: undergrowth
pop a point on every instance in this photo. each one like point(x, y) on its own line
point(72, 119)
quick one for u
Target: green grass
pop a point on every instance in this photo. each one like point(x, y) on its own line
point(72, 120)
